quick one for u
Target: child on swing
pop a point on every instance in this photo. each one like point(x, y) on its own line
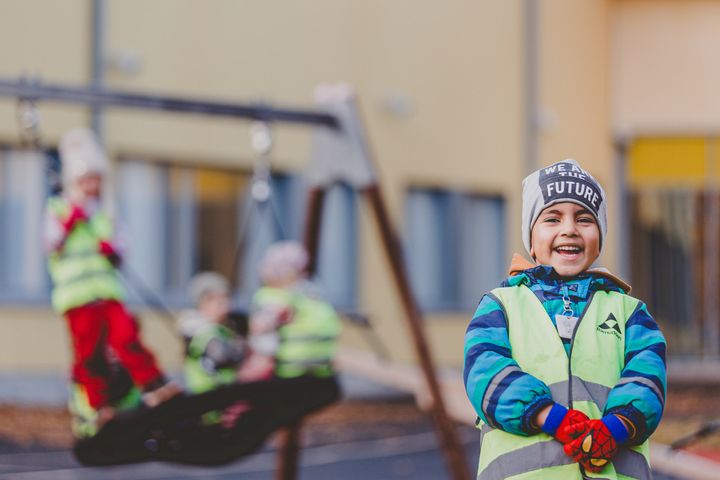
point(292, 331)
point(84, 254)
point(215, 351)
point(565, 370)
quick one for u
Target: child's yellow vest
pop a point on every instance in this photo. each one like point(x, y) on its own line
point(308, 342)
point(198, 378)
point(79, 272)
point(583, 382)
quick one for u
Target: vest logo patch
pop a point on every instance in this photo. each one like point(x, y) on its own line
point(610, 326)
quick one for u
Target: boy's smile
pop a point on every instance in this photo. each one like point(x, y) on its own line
point(566, 237)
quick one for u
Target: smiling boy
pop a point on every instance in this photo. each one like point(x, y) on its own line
point(569, 255)
point(565, 370)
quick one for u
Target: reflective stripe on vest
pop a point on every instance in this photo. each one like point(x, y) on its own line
point(308, 341)
point(198, 378)
point(583, 381)
point(84, 417)
point(79, 272)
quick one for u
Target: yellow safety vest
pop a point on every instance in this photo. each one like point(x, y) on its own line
point(581, 381)
point(308, 341)
point(84, 417)
point(197, 377)
point(79, 272)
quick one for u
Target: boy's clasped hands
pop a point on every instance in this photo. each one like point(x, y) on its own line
point(591, 443)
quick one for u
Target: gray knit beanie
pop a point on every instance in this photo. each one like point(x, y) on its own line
point(564, 181)
point(208, 282)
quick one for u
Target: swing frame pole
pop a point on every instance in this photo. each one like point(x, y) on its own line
point(33, 89)
point(449, 442)
point(360, 172)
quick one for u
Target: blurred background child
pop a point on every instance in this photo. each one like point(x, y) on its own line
point(84, 253)
point(292, 331)
point(214, 351)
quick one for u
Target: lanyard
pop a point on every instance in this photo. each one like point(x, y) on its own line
point(567, 304)
point(566, 321)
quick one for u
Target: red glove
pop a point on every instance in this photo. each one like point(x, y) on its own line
point(598, 442)
point(77, 214)
point(285, 316)
point(557, 421)
point(105, 248)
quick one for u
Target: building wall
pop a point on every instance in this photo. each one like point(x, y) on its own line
point(457, 72)
point(665, 115)
point(52, 46)
point(574, 97)
point(665, 73)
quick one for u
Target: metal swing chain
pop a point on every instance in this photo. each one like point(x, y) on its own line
point(261, 141)
point(28, 117)
point(261, 189)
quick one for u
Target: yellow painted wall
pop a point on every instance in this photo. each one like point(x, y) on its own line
point(665, 73)
point(46, 39)
point(574, 96)
point(459, 64)
point(674, 162)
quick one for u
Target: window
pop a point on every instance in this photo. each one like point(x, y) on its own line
point(177, 221)
point(455, 247)
point(337, 259)
point(279, 218)
point(183, 220)
point(673, 225)
point(666, 241)
point(23, 192)
point(284, 218)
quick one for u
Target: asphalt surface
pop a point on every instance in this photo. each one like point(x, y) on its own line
point(413, 456)
point(412, 452)
point(410, 456)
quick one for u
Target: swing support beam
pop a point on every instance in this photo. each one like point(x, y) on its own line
point(33, 90)
point(343, 120)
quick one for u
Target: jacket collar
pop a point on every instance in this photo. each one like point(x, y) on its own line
point(520, 265)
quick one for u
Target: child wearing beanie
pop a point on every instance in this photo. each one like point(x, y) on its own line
point(83, 257)
point(214, 351)
point(292, 331)
point(565, 370)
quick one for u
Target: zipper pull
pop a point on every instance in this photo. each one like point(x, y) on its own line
point(566, 321)
point(567, 304)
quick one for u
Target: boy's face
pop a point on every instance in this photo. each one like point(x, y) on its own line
point(566, 237)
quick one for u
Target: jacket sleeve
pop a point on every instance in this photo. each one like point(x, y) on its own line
point(502, 394)
point(53, 233)
point(222, 353)
point(639, 396)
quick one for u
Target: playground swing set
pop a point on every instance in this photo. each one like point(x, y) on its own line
point(340, 152)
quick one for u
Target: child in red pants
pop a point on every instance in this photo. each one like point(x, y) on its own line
point(83, 257)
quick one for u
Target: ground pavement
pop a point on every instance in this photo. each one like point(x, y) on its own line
point(375, 434)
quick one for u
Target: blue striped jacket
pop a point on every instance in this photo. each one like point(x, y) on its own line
point(514, 404)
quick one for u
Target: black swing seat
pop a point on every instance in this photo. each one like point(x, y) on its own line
point(175, 431)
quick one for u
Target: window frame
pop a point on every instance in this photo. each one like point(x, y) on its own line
point(445, 280)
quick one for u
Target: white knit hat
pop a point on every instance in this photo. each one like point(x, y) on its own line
point(564, 181)
point(81, 154)
point(283, 260)
point(208, 282)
